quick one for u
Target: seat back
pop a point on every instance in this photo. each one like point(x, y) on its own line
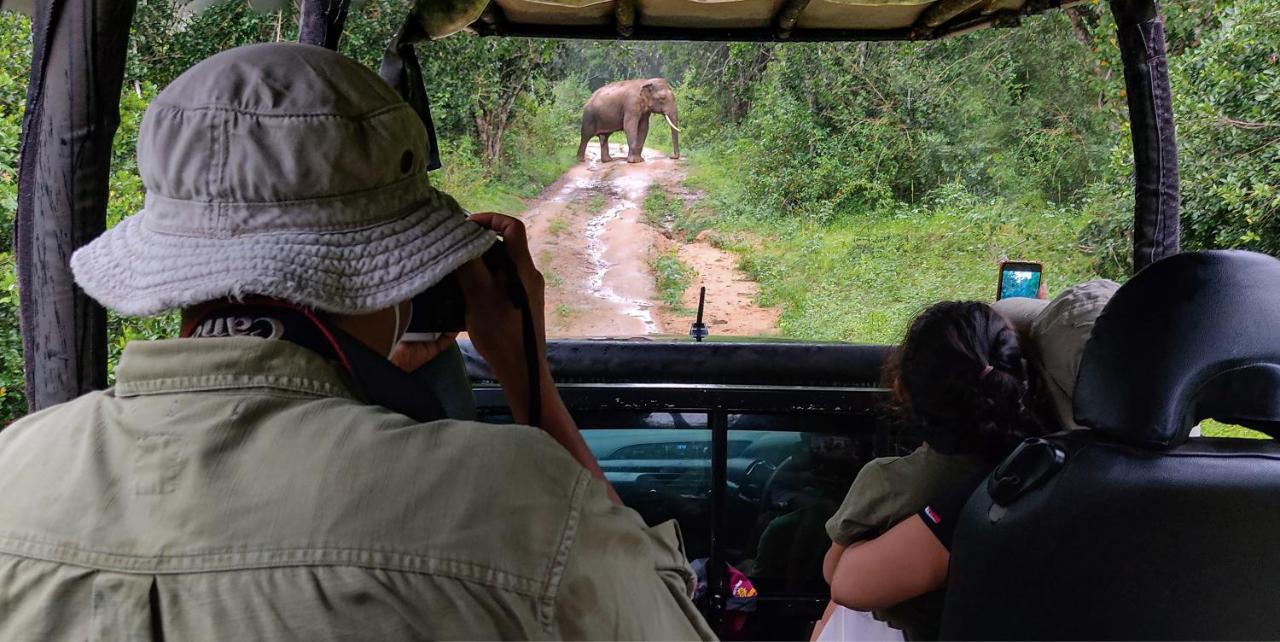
point(1130, 530)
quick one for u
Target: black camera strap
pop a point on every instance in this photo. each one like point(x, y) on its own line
point(400, 69)
point(375, 378)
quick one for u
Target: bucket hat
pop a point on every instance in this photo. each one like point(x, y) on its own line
point(1058, 330)
point(283, 170)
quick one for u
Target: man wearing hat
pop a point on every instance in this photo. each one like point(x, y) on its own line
point(238, 482)
point(1053, 334)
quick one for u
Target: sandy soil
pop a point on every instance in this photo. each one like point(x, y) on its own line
point(589, 238)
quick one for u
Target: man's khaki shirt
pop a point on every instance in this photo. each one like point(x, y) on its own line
point(234, 489)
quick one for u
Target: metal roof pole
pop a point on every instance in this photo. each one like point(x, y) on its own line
point(322, 22)
point(1155, 150)
point(73, 109)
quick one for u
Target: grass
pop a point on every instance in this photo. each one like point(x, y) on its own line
point(565, 311)
point(553, 278)
point(657, 206)
point(597, 203)
point(508, 189)
point(666, 211)
point(557, 226)
point(671, 276)
point(862, 277)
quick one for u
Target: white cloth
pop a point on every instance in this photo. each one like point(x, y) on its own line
point(848, 624)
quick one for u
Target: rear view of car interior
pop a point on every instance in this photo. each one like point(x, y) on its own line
point(1130, 529)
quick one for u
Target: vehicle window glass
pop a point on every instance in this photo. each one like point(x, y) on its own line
point(662, 472)
point(782, 489)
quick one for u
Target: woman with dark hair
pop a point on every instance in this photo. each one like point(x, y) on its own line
point(959, 376)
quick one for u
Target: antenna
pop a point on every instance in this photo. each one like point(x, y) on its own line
point(699, 329)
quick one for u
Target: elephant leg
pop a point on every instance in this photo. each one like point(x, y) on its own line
point(636, 141)
point(582, 146)
point(604, 148)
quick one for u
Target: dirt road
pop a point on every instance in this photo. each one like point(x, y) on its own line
point(589, 238)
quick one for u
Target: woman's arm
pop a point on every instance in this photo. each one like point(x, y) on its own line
point(830, 562)
point(906, 561)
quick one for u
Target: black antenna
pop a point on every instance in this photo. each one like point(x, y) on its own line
point(699, 329)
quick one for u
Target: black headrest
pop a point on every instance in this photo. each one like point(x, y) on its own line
point(1191, 337)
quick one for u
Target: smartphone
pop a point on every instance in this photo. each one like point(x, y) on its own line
point(1019, 279)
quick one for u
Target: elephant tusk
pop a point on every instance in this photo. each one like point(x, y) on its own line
point(673, 125)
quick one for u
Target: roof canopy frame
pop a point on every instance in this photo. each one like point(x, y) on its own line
point(942, 20)
point(1157, 195)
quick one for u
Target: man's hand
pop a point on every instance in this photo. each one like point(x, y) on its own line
point(494, 321)
point(411, 355)
point(494, 325)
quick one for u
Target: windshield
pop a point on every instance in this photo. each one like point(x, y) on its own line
point(828, 192)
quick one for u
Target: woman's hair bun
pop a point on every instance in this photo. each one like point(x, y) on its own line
point(941, 380)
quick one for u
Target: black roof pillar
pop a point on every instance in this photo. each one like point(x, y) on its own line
point(73, 109)
point(322, 22)
point(1155, 151)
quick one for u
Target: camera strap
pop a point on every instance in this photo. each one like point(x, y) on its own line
point(531, 360)
point(375, 379)
point(400, 69)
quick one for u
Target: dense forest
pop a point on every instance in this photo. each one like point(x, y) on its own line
point(854, 181)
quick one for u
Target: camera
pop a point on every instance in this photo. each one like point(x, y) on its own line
point(443, 307)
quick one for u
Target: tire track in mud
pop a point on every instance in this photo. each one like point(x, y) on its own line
point(588, 236)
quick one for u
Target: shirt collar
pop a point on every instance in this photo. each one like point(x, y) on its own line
point(191, 365)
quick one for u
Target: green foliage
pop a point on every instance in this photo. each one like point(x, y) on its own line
point(671, 276)
point(863, 277)
point(859, 128)
point(15, 63)
point(1226, 89)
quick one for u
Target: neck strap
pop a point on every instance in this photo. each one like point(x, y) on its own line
point(375, 378)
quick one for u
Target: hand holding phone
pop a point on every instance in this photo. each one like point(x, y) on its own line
point(1019, 279)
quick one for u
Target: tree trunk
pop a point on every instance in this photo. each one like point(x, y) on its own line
point(494, 110)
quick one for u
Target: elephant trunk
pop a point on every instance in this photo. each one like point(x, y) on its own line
point(671, 117)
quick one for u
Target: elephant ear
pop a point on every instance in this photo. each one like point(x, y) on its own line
point(646, 95)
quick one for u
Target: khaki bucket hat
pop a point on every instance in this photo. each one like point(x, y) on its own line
point(1059, 329)
point(283, 170)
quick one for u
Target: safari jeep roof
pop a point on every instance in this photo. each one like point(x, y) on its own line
point(728, 19)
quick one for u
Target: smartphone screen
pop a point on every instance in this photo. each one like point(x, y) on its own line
point(1019, 279)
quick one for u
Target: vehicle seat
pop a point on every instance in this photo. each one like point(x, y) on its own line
point(1131, 530)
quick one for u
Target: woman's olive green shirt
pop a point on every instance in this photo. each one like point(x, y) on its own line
point(235, 489)
point(889, 490)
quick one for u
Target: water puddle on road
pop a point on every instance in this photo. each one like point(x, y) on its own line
point(595, 233)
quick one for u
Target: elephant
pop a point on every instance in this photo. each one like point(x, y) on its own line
point(625, 106)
